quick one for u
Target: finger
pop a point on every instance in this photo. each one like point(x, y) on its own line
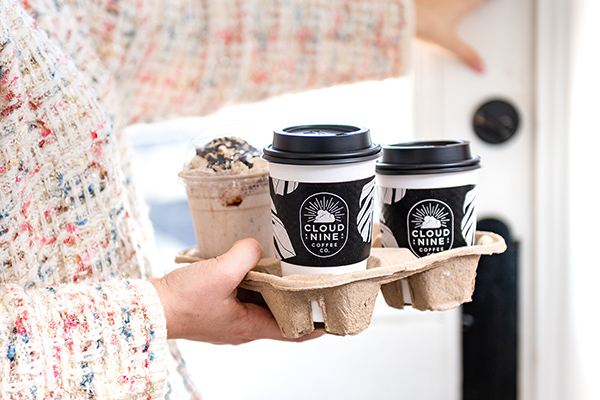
point(257, 322)
point(465, 53)
point(309, 336)
point(241, 258)
point(260, 324)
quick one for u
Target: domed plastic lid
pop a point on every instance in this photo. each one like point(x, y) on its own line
point(321, 145)
point(221, 150)
point(427, 157)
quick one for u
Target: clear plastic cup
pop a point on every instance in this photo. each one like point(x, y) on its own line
point(227, 209)
point(227, 187)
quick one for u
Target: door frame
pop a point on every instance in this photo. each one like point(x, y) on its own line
point(549, 372)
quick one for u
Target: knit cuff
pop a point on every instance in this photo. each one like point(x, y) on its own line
point(156, 316)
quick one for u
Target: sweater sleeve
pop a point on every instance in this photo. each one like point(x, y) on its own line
point(103, 341)
point(68, 327)
point(180, 57)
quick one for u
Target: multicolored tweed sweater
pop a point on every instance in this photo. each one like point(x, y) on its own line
point(77, 318)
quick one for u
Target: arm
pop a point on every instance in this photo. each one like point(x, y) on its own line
point(212, 53)
point(59, 185)
point(104, 340)
point(178, 58)
point(181, 58)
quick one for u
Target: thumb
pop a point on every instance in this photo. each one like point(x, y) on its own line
point(465, 53)
point(241, 258)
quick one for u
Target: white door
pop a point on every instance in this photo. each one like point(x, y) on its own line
point(447, 97)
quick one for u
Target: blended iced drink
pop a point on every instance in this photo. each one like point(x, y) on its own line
point(322, 191)
point(227, 186)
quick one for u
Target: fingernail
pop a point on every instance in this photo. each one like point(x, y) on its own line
point(478, 66)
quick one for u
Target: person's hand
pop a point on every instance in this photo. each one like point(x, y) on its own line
point(200, 303)
point(437, 21)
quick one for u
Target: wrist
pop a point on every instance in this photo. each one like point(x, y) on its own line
point(166, 300)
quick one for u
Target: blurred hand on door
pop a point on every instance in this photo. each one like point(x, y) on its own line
point(437, 21)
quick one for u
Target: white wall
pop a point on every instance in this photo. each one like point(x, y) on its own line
point(568, 138)
point(583, 201)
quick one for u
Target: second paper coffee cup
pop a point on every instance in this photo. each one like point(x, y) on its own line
point(427, 193)
point(322, 185)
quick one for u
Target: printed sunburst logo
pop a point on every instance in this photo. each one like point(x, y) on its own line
point(430, 227)
point(324, 224)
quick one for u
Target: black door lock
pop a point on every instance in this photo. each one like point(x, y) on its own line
point(496, 121)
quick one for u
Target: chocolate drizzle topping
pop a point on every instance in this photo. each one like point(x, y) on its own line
point(222, 153)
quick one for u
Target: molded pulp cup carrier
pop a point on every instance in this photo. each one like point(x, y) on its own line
point(441, 281)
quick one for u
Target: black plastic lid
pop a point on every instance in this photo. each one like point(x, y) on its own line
point(427, 157)
point(321, 145)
